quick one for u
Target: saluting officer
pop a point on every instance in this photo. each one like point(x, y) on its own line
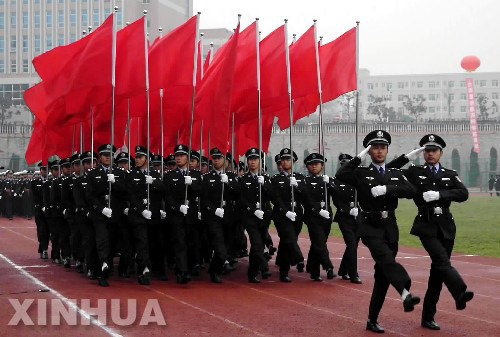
point(181, 213)
point(347, 218)
point(317, 191)
point(257, 212)
point(220, 190)
point(42, 229)
point(437, 187)
point(379, 189)
point(287, 213)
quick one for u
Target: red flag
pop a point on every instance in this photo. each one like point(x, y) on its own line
point(337, 60)
point(130, 60)
point(207, 61)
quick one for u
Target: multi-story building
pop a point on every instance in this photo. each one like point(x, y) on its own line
point(31, 27)
point(445, 94)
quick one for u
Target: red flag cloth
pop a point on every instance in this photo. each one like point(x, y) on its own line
point(34, 98)
point(78, 75)
point(207, 61)
point(337, 60)
point(130, 60)
point(36, 144)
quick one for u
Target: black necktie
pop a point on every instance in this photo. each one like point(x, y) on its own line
point(434, 170)
point(381, 170)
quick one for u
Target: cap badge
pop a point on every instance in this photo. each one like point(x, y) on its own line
point(108, 147)
point(380, 134)
point(431, 138)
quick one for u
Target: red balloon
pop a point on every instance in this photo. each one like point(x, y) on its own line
point(470, 63)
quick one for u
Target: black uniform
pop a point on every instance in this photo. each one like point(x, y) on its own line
point(42, 229)
point(58, 218)
point(8, 198)
point(68, 202)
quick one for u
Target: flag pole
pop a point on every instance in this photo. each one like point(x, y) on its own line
point(113, 85)
point(145, 13)
point(81, 146)
point(195, 65)
point(162, 141)
point(357, 102)
point(232, 144)
point(321, 143)
point(73, 139)
point(92, 136)
point(257, 45)
point(202, 70)
point(128, 127)
point(290, 107)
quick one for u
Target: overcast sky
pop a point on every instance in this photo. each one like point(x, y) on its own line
point(396, 36)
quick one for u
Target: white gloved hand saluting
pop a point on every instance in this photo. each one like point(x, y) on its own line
point(147, 214)
point(291, 215)
point(354, 212)
point(260, 180)
point(324, 213)
point(430, 196)
point(188, 180)
point(223, 178)
point(219, 212)
point(184, 209)
point(259, 214)
point(111, 178)
point(362, 155)
point(293, 182)
point(107, 212)
point(149, 180)
point(414, 154)
point(379, 190)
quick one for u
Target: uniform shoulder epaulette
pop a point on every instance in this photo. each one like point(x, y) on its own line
point(362, 167)
point(448, 170)
point(394, 169)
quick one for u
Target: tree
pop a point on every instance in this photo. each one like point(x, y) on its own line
point(5, 104)
point(378, 107)
point(493, 159)
point(455, 160)
point(482, 102)
point(474, 169)
point(348, 103)
point(415, 105)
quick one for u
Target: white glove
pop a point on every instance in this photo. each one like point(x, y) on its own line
point(325, 214)
point(362, 155)
point(15, 194)
point(149, 180)
point(199, 216)
point(293, 182)
point(64, 212)
point(43, 209)
point(431, 196)
point(223, 178)
point(147, 214)
point(184, 209)
point(111, 178)
point(0, 197)
point(188, 180)
point(326, 179)
point(354, 212)
point(219, 212)
point(291, 215)
point(260, 180)
point(107, 212)
point(125, 211)
point(259, 214)
point(379, 190)
point(163, 214)
point(414, 154)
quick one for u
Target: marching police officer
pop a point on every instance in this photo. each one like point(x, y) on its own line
point(437, 187)
point(53, 216)
point(318, 190)
point(347, 218)
point(287, 213)
point(182, 212)
point(8, 195)
point(254, 203)
point(42, 229)
point(379, 189)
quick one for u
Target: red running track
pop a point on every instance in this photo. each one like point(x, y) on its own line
point(301, 308)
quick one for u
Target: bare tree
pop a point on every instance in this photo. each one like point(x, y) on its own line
point(378, 107)
point(5, 113)
point(415, 105)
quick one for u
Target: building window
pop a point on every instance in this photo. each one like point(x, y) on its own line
point(462, 84)
point(72, 38)
point(389, 86)
point(37, 19)
point(432, 109)
point(494, 83)
point(2, 20)
point(2, 66)
point(48, 19)
point(49, 42)
point(463, 108)
point(432, 84)
point(25, 43)
point(13, 43)
point(95, 18)
point(451, 97)
point(13, 66)
point(494, 95)
point(463, 97)
point(25, 66)
point(420, 84)
point(432, 97)
point(72, 17)
point(85, 18)
point(482, 83)
point(401, 85)
point(37, 43)
point(60, 19)
point(25, 20)
point(60, 40)
point(13, 20)
point(370, 86)
point(438, 109)
point(2, 44)
point(451, 84)
point(452, 108)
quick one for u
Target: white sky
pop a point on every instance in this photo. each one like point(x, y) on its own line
point(396, 36)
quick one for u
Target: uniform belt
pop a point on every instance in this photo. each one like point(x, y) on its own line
point(433, 210)
point(380, 214)
point(223, 203)
point(293, 204)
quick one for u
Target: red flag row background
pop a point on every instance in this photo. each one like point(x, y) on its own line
point(76, 88)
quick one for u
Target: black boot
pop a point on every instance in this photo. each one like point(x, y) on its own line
point(284, 277)
point(373, 326)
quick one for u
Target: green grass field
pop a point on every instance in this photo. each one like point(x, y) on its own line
point(477, 220)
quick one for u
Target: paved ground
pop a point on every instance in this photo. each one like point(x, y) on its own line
point(301, 308)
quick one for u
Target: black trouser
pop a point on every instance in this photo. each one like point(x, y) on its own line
point(257, 232)
point(193, 237)
point(229, 239)
point(104, 233)
point(55, 232)
point(28, 205)
point(348, 227)
point(319, 229)
point(156, 247)
point(7, 204)
point(289, 253)
point(88, 242)
point(76, 224)
point(387, 271)
point(125, 245)
point(442, 271)
point(180, 232)
point(169, 240)
point(42, 231)
point(218, 244)
point(140, 235)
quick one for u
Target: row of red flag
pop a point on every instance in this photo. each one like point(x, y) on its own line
point(74, 96)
